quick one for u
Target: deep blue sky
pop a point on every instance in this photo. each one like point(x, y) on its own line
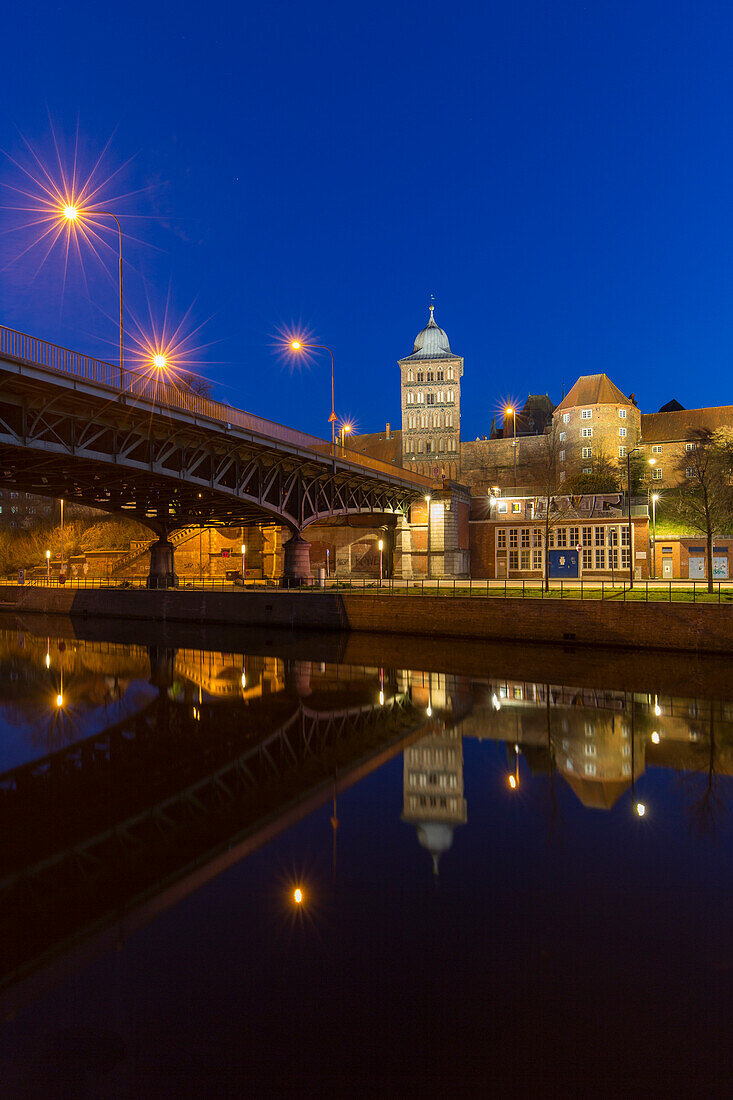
point(558, 175)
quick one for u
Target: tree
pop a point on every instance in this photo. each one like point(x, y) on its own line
point(638, 468)
point(603, 478)
point(705, 498)
point(197, 384)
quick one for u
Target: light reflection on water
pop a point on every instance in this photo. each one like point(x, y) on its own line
point(168, 765)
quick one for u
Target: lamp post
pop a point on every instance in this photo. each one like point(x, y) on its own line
point(509, 411)
point(48, 567)
point(345, 429)
point(61, 570)
point(655, 498)
point(244, 571)
point(381, 548)
point(427, 501)
point(298, 345)
point(628, 491)
point(73, 213)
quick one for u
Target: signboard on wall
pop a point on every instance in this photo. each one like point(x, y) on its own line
point(563, 563)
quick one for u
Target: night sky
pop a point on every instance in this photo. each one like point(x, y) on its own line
point(558, 175)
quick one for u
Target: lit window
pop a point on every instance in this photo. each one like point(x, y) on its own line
point(501, 540)
point(536, 559)
point(657, 449)
point(689, 471)
point(587, 433)
point(516, 506)
point(622, 452)
point(566, 418)
point(513, 538)
point(587, 452)
point(503, 506)
point(590, 750)
point(514, 559)
point(562, 456)
point(690, 446)
point(622, 413)
point(590, 769)
point(622, 433)
point(586, 414)
point(657, 473)
point(587, 469)
point(563, 436)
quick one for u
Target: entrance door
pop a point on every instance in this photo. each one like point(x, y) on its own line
point(720, 567)
point(667, 568)
point(697, 568)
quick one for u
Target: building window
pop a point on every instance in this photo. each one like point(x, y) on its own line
point(563, 436)
point(587, 536)
point(590, 749)
point(622, 433)
point(587, 469)
point(525, 559)
point(430, 399)
point(411, 398)
point(513, 537)
point(622, 452)
point(430, 376)
point(516, 506)
point(441, 397)
point(574, 532)
point(562, 537)
point(421, 398)
point(600, 536)
point(561, 456)
point(600, 558)
point(536, 536)
point(690, 446)
point(587, 452)
point(420, 376)
point(450, 372)
point(501, 540)
point(657, 449)
point(622, 414)
point(450, 397)
point(587, 560)
point(586, 414)
point(525, 536)
point(536, 559)
point(587, 433)
point(562, 475)
point(657, 473)
point(514, 559)
point(449, 420)
point(625, 535)
point(613, 536)
point(625, 557)
point(590, 769)
point(428, 447)
point(613, 557)
point(440, 376)
point(689, 471)
point(410, 375)
point(503, 506)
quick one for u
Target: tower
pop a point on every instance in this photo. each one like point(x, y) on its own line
point(431, 404)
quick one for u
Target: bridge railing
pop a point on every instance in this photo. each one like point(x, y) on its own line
point(148, 385)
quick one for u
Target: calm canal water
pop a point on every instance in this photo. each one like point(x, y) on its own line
point(514, 867)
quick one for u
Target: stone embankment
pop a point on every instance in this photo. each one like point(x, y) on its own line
point(703, 628)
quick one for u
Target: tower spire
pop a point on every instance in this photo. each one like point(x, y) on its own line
point(432, 307)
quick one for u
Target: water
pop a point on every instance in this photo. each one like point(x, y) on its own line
point(514, 864)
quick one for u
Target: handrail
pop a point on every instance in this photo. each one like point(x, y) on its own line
point(23, 348)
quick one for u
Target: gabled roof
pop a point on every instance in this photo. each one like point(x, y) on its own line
point(667, 426)
point(593, 389)
point(672, 406)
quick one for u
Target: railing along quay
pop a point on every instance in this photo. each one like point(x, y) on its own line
point(621, 592)
point(29, 350)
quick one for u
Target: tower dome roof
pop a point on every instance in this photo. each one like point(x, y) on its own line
point(431, 342)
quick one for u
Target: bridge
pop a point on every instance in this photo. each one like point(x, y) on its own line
point(133, 443)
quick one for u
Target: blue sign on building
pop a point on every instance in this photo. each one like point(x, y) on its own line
point(563, 563)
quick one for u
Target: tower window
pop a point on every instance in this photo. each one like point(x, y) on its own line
point(439, 376)
point(431, 377)
point(431, 399)
point(420, 376)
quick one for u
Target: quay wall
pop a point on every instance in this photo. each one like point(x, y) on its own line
point(703, 628)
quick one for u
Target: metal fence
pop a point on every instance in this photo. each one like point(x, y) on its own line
point(642, 591)
point(147, 384)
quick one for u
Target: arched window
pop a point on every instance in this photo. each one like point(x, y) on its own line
point(410, 375)
point(450, 372)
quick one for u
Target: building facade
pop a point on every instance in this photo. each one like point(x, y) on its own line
point(431, 404)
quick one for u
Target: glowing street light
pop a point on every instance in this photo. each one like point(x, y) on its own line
point(48, 567)
point(427, 501)
point(298, 345)
point(298, 896)
point(59, 700)
point(640, 809)
point(345, 430)
point(510, 411)
point(381, 548)
point(159, 361)
point(75, 214)
point(244, 571)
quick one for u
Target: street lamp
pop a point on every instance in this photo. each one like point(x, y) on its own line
point(509, 411)
point(628, 492)
point(655, 498)
point(48, 567)
point(427, 501)
point(244, 571)
point(74, 213)
point(61, 570)
point(381, 548)
point(345, 430)
point(298, 345)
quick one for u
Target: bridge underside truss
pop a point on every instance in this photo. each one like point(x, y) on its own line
point(128, 456)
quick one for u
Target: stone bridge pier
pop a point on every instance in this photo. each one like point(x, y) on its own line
point(162, 564)
point(296, 562)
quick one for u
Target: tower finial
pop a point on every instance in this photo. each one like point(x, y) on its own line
point(432, 306)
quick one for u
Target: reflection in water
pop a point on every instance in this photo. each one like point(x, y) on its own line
point(132, 774)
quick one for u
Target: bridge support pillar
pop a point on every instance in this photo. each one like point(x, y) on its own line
point(162, 570)
point(297, 562)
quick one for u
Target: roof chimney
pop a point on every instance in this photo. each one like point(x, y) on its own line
point(387, 431)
